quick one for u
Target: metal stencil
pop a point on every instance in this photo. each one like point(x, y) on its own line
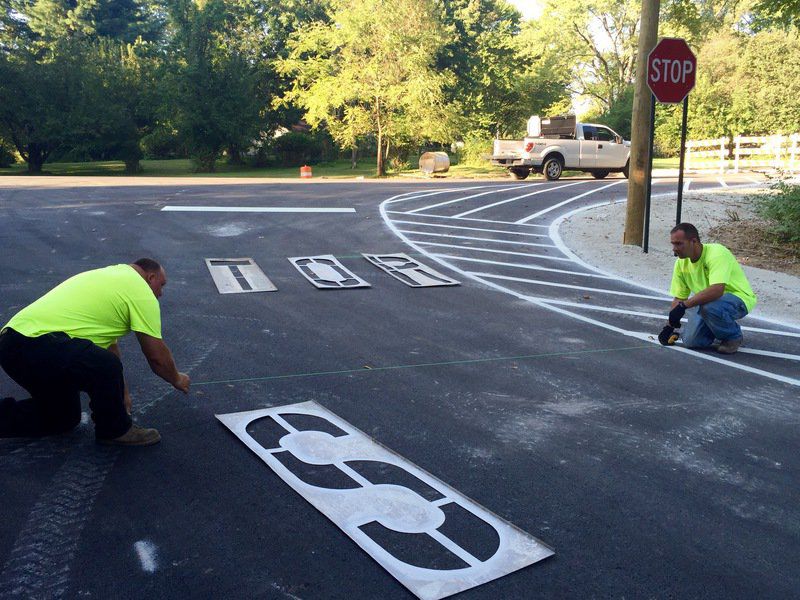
point(430, 537)
point(238, 276)
point(326, 272)
point(409, 271)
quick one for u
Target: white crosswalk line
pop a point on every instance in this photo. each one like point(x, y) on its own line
point(480, 208)
point(492, 251)
point(446, 202)
point(567, 201)
point(471, 228)
point(520, 266)
point(565, 285)
point(398, 212)
point(477, 239)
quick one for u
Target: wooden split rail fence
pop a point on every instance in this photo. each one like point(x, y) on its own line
point(779, 152)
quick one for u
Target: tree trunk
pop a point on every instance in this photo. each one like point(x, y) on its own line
point(381, 166)
point(35, 158)
point(133, 166)
point(234, 155)
point(354, 157)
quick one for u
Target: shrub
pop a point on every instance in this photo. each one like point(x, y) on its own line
point(475, 150)
point(783, 209)
point(6, 156)
point(297, 149)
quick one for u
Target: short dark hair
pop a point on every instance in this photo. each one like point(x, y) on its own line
point(148, 265)
point(689, 230)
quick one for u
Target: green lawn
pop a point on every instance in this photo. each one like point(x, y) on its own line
point(331, 170)
point(183, 168)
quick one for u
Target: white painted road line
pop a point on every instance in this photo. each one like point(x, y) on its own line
point(256, 209)
point(567, 201)
point(426, 193)
point(661, 317)
point(446, 202)
point(493, 251)
point(146, 551)
point(480, 208)
point(564, 285)
point(771, 354)
point(397, 212)
point(543, 304)
point(479, 239)
point(722, 182)
point(544, 235)
point(521, 266)
point(686, 185)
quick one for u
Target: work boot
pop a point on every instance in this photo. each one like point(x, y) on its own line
point(730, 346)
point(135, 436)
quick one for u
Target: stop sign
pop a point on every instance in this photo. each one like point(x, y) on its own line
point(671, 67)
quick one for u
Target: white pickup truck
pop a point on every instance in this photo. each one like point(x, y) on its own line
point(558, 143)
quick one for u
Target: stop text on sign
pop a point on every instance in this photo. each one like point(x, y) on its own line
point(670, 71)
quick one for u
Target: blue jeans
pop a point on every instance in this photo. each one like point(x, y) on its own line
point(714, 320)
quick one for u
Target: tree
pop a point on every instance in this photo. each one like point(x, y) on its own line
point(483, 56)
point(738, 93)
point(370, 71)
point(214, 86)
point(594, 41)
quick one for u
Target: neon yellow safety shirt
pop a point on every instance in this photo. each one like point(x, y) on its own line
point(716, 265)
point(100, 305)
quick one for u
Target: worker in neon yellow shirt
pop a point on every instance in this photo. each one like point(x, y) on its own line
point(66, 342)
point(709, 283)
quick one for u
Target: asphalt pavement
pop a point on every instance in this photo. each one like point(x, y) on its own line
point(534, 388)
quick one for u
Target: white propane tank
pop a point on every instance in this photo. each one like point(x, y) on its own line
point(534, 126)
point(434, 162)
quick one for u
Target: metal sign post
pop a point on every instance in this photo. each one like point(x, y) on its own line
point(671, 69)
point(683, 155)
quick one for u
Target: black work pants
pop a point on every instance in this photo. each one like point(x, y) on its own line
point(54, 369)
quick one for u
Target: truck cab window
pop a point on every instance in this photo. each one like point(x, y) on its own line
point(605, 135)
point(589, 132)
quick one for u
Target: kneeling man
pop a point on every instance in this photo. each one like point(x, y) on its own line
point(66, 343)
point(708, 285)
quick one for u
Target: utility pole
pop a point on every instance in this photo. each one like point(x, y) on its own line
point(640, 127)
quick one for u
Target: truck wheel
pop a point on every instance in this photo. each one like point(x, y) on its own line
point(519, 172)
point(552, 168)
point(600, 174)
point(626, 170)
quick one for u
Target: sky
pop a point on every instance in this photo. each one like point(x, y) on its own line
point(529, 8)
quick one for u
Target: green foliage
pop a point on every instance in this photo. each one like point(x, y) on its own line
point(618, 117)
point(746, 85)
point(213, 87)
point(783, 13)
point(297, 149)
point(592, 42)
point(6, 154)
point(370, 72)
point(783, 209)
point(474, 150)
point(482, 54)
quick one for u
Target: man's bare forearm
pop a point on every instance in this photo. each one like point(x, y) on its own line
point(163, 365)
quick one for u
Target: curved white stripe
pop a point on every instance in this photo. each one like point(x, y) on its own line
point(514, 199)
point(556, 237)
point(543, 304)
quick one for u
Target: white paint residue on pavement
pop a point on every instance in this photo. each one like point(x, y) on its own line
point(146, 551)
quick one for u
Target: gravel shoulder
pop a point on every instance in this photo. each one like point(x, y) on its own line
point(595, 235)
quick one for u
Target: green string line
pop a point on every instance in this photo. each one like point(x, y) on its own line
point(418, 365)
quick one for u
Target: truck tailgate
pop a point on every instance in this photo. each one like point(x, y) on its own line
point(508, 147)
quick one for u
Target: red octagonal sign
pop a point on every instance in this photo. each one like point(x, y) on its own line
point(671, 68)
